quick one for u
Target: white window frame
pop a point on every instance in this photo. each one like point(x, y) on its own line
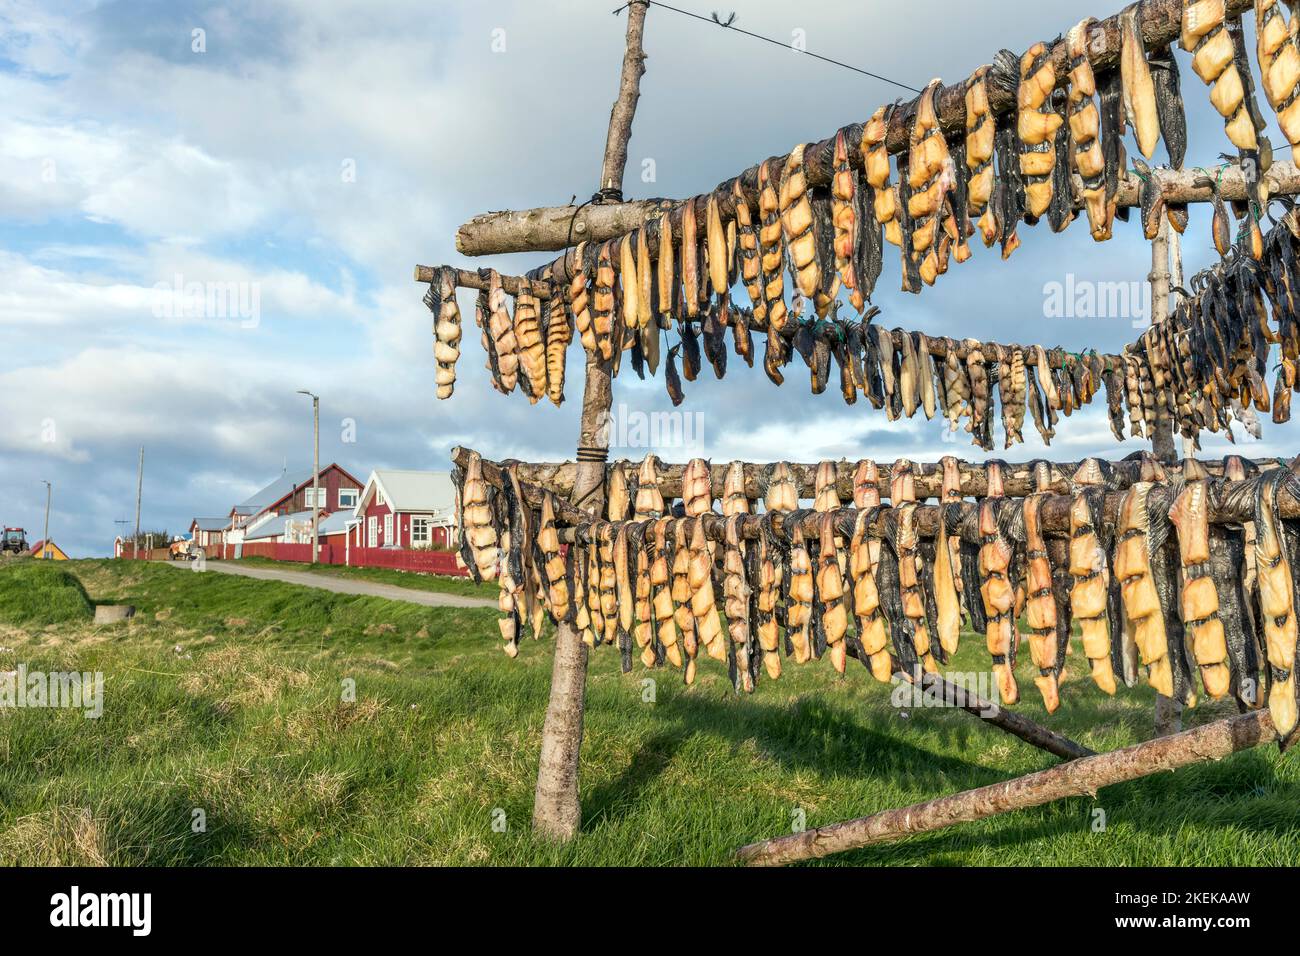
point(320, 496)
point(388, 528)
point(425, 522)
point(372, 532)
point(379, 496)
point(353, 493)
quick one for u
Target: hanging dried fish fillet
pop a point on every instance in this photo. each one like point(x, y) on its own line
point(1279, 64)
point(717, 244)
point(708, 626)
point(797, 223)
point(830, 594)
point(800, 598)
point(559, 333)
point(930, 177)
point(844, 216)
point(649, 501)
point(528, 335)
point(1085, 128)
point(441, 301)
point(480, 527)
point(1137, 568)
point(1139, 91)
point(751, 267)
point(1277, 599)
point(557, 594)
point(871, 634)
point(665, 271)
point(697, 491)
point(502, 330)
point(1040, 605)
point(782, 493)
point(1204, 36)
point(690, 260)
point(773, 255)
point(1036, 125)
point(602, 301)
point(996, 573)
point(1199, 604)
point(734, 501)
point(736, 599)
point(875, 163)
point(766, 606)
point(980, 129)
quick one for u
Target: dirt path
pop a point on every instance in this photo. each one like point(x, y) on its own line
point(342, 585)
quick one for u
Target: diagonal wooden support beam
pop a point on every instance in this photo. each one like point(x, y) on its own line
point(1074, 779)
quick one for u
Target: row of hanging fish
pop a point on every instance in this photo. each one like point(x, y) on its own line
point(1157, 587)
point(1210, 362)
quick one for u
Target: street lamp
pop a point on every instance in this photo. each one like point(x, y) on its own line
point(315, 472)
point(45, 538)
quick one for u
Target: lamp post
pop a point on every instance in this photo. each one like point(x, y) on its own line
point(45, 538)
point(315, 472)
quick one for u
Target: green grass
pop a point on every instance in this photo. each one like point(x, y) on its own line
point(442, 584)
point(224, 695)
point(41, 592)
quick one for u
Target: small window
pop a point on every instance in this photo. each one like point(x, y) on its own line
point(317, 494)
point(421, 531)
point(347, 498)
point(379, 497)
point(388, 529)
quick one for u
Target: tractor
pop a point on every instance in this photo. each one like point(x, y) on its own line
point(15, 540)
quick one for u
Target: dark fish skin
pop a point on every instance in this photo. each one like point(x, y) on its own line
point(690, 351)
point(713, 325)
point(1037, 406)
point(1060, 213)
point(805, 342)
point(1150, 199)
point(742, 339)
point(874, 386)
point(911, 269)
point(671, 379)
point(928, 552)
point(1058, 553)
point(867, 257)
point(891, 598)
point(774, 356)
point(1165, 570)
point(1113, 379)
point(1169, 105)
point(839, 349)
point(1009, 190)
point(1110, 91)
point(821, 363)
point(967, 530)
point(821, 200)
point(1227, 558)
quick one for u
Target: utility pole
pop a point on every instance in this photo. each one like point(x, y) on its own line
point(45, 538)
point(315, 471)
point(139, 488)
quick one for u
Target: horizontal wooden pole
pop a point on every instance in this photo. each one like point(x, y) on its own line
point(1076, 778)
point(547, 229)
point(551, 228)
point(1017, 478)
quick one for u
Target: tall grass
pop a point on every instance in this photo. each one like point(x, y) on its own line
point(234, 697)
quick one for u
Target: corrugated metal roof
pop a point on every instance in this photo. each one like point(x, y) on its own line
point(335, 523)
point(274, 527)
point(417, 491)
point(277, 489)
point(211, 524)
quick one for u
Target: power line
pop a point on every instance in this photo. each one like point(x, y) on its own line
point(729, 25)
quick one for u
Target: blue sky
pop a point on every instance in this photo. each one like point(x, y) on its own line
point(315, 151)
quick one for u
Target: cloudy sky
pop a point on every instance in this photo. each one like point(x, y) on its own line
point(306, 154)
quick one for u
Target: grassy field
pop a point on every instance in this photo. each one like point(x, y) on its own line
point(226, 695)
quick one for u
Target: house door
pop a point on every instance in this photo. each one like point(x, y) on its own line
point(388, 530)
point(372, 532)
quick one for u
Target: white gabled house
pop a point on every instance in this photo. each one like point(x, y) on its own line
point(406, 509)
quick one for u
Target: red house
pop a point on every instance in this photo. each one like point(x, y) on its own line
point(406, 509)
point(291, 494)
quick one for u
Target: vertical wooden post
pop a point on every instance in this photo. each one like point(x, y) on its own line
point(557, 811)
point(1169, 712)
